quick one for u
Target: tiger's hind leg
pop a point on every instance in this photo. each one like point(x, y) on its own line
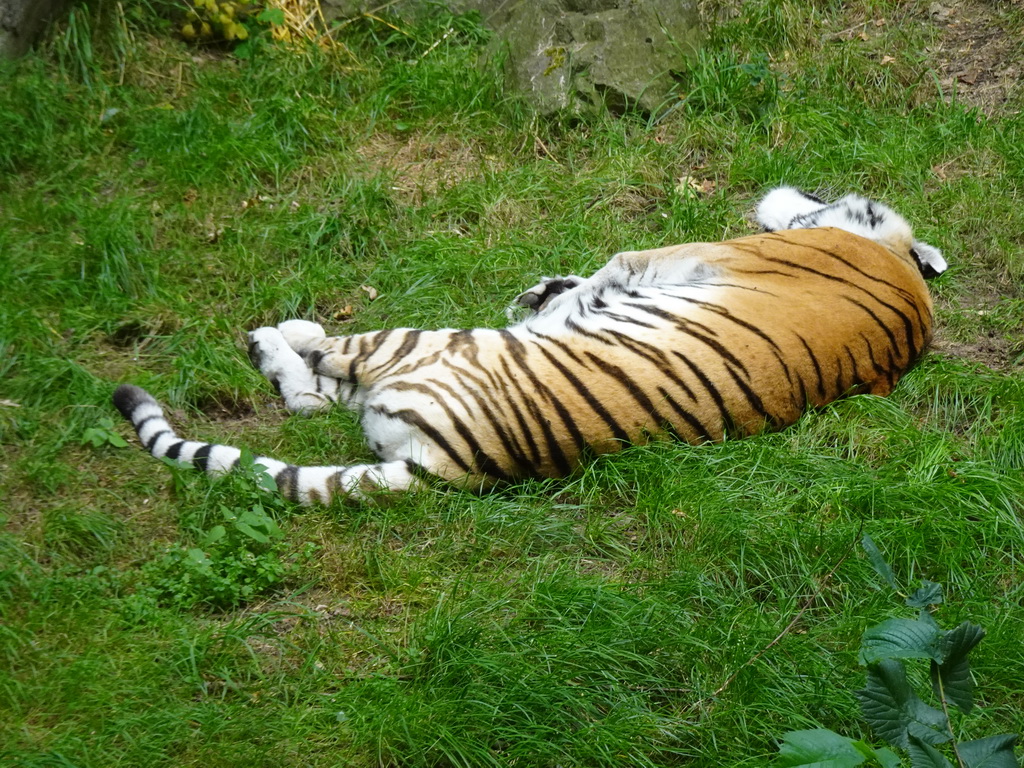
point(303, 391)
point(359, 482)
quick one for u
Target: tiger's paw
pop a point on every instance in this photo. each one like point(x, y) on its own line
point(538, 297)
point(301, 335)
point(286, 370)
point(272, 356)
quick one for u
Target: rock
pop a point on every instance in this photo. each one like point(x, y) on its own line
point(21, 21)
point(578, 55)
point(585, 54)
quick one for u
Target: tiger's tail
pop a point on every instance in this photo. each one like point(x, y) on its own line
point(305, 485)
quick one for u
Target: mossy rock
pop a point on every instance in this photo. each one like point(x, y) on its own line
point(579, 55)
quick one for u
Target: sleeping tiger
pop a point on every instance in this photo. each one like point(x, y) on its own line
point(695, 342)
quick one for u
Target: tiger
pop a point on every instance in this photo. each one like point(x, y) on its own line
point(695, 342)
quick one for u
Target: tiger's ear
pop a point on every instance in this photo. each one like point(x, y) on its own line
point(929, 259)
point(783, 204)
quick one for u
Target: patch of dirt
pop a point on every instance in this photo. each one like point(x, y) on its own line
point(978, 55)
point(990, 350)
point(424, 164)
point(994, 348)
point(166, 69)
point(230, 408)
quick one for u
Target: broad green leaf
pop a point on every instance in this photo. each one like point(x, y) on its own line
point(901, 639)
point(103, 435)
point(107, 427)
point(894, 711)
point(264, 479)
point(257, 518)
point(819, 748)
point(926, 756)
point(254, 516)
point(215, 534)
point(887, 758)
point(878, 562)
point(884, 757)
point(271, 16)
point(199, 557)
point(252, 533)
point(990, 752)
point(273, 530)
point(954, 673)
point(92, 436)
point(929, 593)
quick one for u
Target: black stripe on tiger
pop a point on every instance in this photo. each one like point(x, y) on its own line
point(151, 441)
point(781, 236)
point(554, 449)
point(885, 328)
point(726, 314)
point(201, 455)
point(369, 344)
point(517, 350)
point(476, 389)
point(858, 380)
point(904, 318)
point(753, 399)
point(814, 362)
point(708, 385)
point(562, 346)
point(288, 482)
point(656, 357)
point(484, 460)
point(579, 330)
point(687, 325)
point(617, 430)
point(848, 283)
point(699, 429)
point(412, 338)
point(634, 389)
point(412, 417)
point(880, 370)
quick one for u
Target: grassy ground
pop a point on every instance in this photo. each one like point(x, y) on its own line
point(668, 605)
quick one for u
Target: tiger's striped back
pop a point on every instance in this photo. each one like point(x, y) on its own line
point(778, 323)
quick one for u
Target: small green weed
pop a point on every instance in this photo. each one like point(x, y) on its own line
point(889, 703)
point(103, 434)
point(237, 552)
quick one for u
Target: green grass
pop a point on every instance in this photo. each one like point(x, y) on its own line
point(158, 201)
